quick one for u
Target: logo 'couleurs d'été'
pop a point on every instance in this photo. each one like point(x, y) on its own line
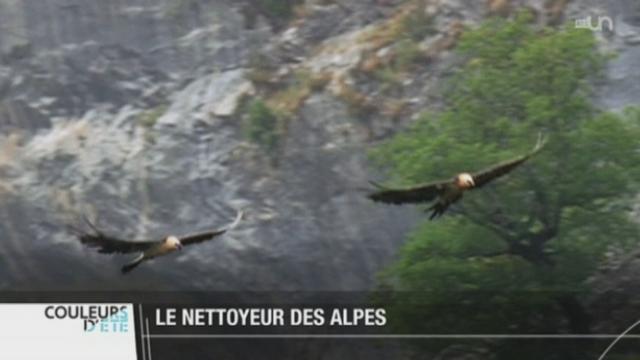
point(95, 318)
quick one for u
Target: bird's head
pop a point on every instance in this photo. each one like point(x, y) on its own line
point(465, 181)
point(174, 242)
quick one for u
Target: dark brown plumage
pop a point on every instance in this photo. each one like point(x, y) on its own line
point(148, 249)
point(448, 192)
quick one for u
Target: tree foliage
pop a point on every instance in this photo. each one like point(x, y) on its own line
point(261, 126)
point(522, 247)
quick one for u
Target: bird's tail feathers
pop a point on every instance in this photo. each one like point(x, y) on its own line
point(132, 265)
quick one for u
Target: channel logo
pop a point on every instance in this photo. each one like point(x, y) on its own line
point(94, 318)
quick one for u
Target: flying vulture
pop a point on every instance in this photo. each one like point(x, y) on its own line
point(147, 249)
point(448, 192)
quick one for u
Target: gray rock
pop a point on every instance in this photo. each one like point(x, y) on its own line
point(18, 115)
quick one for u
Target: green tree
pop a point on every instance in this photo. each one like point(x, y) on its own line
point(514, 256)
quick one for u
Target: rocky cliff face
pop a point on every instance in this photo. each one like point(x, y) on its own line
point(132, 112)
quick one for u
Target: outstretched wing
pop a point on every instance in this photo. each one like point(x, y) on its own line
point(417, 194)
point(208, 235)
point(111, 245)
point(485, 176)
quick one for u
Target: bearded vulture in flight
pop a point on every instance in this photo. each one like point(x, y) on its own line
point(448, 192)
point(148, 249)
